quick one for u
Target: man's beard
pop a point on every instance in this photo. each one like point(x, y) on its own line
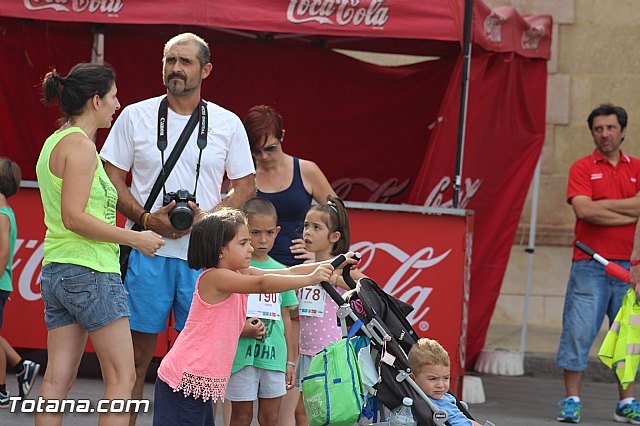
point(175, 88)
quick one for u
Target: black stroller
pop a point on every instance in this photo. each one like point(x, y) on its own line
point(382, 318)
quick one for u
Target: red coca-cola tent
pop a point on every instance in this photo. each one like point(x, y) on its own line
point(382, 134)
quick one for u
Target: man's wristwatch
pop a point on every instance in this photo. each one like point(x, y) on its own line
point(291, 363)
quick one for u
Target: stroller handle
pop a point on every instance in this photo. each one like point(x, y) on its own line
point(346, 272)
point(338, 260)
point(329, 288)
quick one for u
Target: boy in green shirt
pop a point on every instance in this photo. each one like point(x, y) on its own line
point(26, 371)
point(264, 366)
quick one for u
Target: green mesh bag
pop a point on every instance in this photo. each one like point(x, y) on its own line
point(332, 389)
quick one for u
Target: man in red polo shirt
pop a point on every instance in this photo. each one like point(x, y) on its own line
point(603, 192)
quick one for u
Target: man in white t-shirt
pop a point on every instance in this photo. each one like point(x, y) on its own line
point(164, 283)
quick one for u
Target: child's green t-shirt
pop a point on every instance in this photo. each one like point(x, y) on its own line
point(271, 352)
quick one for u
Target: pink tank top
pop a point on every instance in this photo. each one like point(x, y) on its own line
point(316, 333)
point(199, 363)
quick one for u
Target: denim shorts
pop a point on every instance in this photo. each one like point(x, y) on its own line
point(250, 383)
point(591, 294)
point(157, 286)
point(75, 294)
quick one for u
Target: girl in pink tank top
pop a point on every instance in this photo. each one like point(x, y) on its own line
point(326, 234)
point(198, 366)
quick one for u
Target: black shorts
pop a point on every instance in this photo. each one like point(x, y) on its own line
point(4, 296)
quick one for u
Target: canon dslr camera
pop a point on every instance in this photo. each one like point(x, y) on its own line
point(181, 215)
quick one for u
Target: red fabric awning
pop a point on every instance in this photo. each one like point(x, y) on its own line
point(375, 18)
point(499, 30)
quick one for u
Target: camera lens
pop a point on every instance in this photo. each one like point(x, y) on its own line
point(181, 216)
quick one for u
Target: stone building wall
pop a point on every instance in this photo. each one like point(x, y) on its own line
point(595, 59)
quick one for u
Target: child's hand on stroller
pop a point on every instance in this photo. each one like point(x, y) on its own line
point(351, 258)
point(253, 328)
point(322, 273)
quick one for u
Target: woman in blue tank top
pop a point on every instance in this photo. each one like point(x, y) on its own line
point(290, 183)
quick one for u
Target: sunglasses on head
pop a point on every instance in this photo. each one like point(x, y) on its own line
point(267, 149)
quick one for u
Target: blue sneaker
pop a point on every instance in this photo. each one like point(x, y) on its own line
point(569, 411)
point(27, 377)
point(4, 400)
point(628, 413)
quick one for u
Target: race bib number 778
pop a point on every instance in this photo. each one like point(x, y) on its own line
point(311, 301)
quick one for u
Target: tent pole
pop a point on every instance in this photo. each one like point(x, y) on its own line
point(530, 250)
point(462, 119)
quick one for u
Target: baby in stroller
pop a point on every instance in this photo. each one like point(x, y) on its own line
point(391, 339)
point(431, 372)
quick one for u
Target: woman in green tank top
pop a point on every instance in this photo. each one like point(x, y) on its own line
point(80, 284)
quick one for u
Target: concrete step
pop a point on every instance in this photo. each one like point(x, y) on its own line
point(540, 350)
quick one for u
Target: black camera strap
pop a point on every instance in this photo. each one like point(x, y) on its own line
point(202, 139)
point(199, 114)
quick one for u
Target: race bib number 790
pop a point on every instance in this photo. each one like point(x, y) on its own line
point(265, 306)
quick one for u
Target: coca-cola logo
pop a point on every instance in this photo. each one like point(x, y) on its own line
point(436, 196)
point(77, 6)
point(27, 262)
point(380, 192)
point(340, 12)
point(403, 283)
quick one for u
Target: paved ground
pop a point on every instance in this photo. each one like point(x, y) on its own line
point(521, 401)
point(513, 401)
point(529, 401)
point(88, 388)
